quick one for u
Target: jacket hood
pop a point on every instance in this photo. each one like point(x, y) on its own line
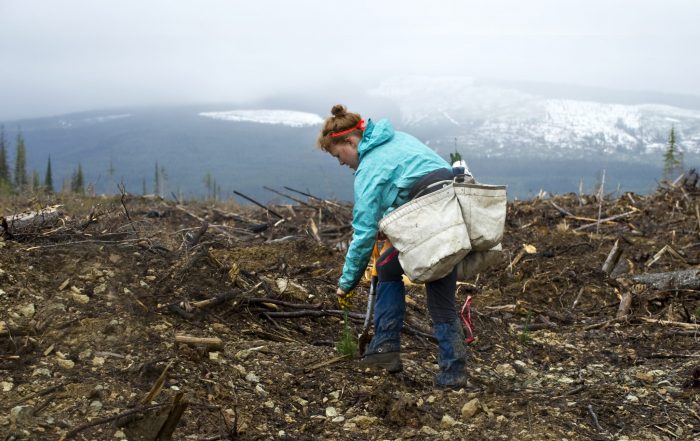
point(375, 135)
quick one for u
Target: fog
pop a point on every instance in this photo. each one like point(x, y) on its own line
point(64, 56)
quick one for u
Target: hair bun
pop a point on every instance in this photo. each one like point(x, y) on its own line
point(338, 110)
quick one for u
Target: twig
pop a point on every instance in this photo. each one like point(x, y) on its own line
point(607, 219)
point(325, 363)
point(299, 201)
point(571, 392)
point(561, 210)
point(312, 196)
point(665, 431)
point(689, 326)
point(70, 434)
point(594, 417)
point(578, 297)
point(601, 195)
point(258, 204)
point(46, 391)
point(603, 324)
point(122, 190)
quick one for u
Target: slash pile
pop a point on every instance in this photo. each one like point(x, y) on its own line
point(137, 318)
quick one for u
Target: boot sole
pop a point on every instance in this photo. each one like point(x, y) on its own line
point(390, 361)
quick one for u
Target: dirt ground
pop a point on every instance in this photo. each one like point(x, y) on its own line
point(90, 307)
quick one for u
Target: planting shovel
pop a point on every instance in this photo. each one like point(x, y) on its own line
point(365, 337)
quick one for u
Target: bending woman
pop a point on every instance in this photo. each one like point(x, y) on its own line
point(391, 168)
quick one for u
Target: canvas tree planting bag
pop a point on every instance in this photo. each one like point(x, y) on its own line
point(484, 212)
point(430, 234)
point(459, 225)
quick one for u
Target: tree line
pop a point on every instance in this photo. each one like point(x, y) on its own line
point(18, 181)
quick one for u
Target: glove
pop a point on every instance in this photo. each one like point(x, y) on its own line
point(343, 298)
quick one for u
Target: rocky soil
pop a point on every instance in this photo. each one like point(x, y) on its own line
point(96, 309)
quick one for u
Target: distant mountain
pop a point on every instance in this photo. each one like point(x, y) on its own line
point(519, 137)
point(502, 122)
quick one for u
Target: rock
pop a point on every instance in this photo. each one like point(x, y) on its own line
point(28, 310)
point(363, 421)
point(99, 289)
point(98, 361)
point(260, 391)
point(447, 421)
point(65, 363)
point(43, 372)
point(245, 353)
point(95, 406)
point(427, 430)
point(631, 398)
point(471, 408)
point(214, 356)
point(220, 328)
point(431, 399)
point(251, 377)
point(6, 386)
point(646, 377)
point(338, 419)
point(20, 415)
point(501, 419)
point(119, 434)
point(505, 370)
point(331, 412)
point(81, 299)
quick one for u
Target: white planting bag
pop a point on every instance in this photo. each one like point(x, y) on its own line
point(479, 261)
point(430, 234)
point(484, 212)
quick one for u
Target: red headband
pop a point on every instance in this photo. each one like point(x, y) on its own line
point(359, 126)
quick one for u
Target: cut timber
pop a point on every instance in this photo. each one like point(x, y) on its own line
point(686, 279)
point(31, 220)
point(613, 258)
point(625, 304)
point(209, 342)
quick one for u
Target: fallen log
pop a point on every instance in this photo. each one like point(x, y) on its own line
point(685, 279)
point(31, 220)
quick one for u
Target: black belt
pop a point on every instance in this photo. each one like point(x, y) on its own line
point(426, 183)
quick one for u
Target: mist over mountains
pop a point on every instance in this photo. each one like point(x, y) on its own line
point(529, 138)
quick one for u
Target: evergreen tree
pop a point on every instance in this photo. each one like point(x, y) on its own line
point(48, 178)
point(144, 187)
point(36, 184)
point(77, 181)
point(5, 180)
point(209, 184)
point(110, 172)
point(21, 178)
point(673, 157)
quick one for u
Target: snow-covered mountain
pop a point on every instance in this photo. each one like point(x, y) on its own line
point(495, 121)
point(289, 118)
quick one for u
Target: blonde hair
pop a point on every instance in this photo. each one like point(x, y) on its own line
point(340, 121)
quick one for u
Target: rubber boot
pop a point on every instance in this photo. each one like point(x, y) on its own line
point(452, 355)
point(389, 310)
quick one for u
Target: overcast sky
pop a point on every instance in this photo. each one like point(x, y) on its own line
point(59, 56)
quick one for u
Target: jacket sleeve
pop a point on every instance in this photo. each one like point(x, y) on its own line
point(365, 218)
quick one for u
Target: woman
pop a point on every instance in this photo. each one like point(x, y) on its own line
point(391, 168)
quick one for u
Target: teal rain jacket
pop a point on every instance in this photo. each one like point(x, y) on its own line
point(390, 163)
